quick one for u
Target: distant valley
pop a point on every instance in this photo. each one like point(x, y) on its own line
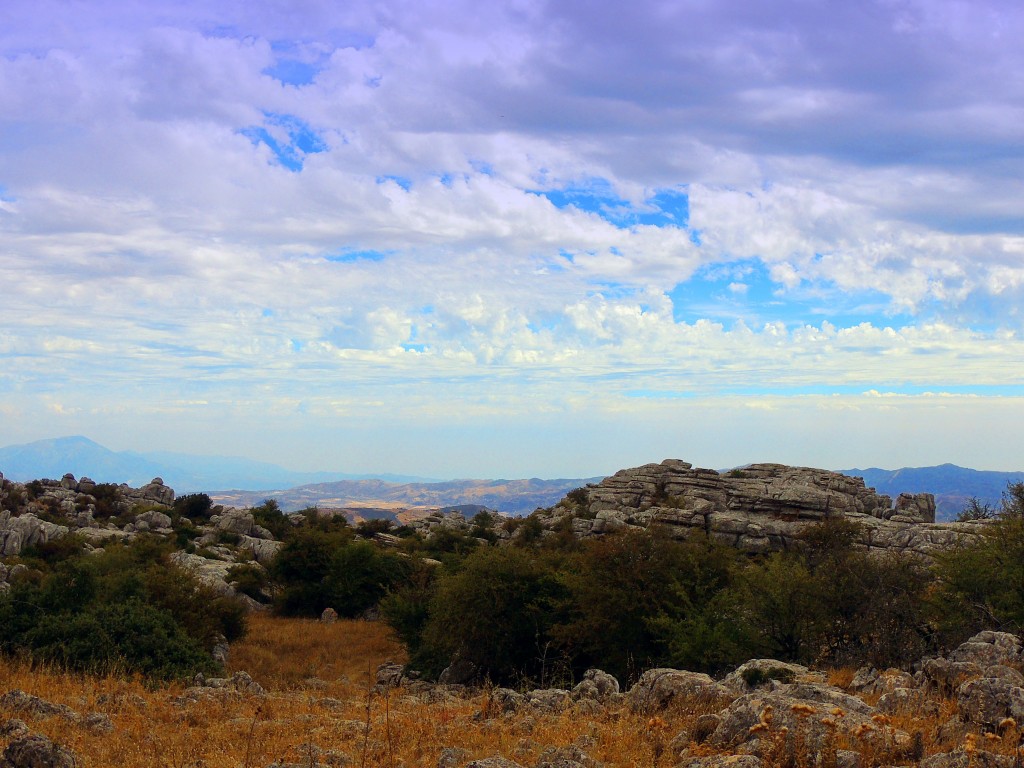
point(376, 498)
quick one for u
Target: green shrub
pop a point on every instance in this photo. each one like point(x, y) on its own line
point(981, 585)
point(195, 506)
point(370, 528)
point(128, 637)
point(754, 676)
point(250, 579)
point(108, 501)
point(269, 515)
point(124, 610)
point(55, 550)
point(317, 570)
point(495, 612)
point(637, 598)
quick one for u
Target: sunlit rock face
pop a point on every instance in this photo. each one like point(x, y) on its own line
point(760, 508)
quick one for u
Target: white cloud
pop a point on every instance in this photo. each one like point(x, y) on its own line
point(149, 238)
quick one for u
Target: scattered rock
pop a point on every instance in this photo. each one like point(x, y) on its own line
point(19, 701)
point(459, 672)
point(390, 675)
point(13, 729)
point(868, 680)
point(452, 757)
point(658, 688)
point(493, 762)
point(329, 616)
point(566, 757)
point(961, 759)
point(37, 751)
point(502, 701)
point(758, 673)
point(596, 685)
point(548, 699)
point(721, 761)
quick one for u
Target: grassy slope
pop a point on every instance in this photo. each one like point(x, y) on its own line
point(301, 662)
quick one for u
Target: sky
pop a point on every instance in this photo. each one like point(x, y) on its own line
point(518, 238)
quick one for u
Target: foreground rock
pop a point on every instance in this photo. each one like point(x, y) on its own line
point(37, 752)
point(657, 689)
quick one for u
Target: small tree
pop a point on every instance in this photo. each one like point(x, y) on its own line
point(976, 510)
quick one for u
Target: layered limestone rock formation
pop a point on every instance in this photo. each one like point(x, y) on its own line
point(761, 508)
point(33, 514)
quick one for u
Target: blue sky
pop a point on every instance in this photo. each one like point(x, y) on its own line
point(522, 238)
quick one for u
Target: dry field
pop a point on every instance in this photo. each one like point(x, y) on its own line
point(319, 711)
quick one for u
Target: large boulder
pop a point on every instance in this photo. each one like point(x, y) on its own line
point(657, 689)
point(155, 490)
point(153, 520)
point(988, 648)
point(814, 712)
point(27, 530)
point(596, 685)
point(760, 508)
point(988, 700)
point(494, 762)
point(759, 673)
point(971, 659)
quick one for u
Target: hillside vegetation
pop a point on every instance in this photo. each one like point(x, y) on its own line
point(512, 617)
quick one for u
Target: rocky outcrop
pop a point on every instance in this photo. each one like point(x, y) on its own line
point(761, 508)
point(17, 533)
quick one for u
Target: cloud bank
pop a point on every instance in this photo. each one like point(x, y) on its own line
point(526, 238)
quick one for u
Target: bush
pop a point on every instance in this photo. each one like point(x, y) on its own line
point(269, 515)
point(639, 598)
point(975, 510)
point(982, 584)
point(406, 609)
point(128, 637)
point(108, 501)
point(195, 506)
point(317, 570)
point(370, 528)
point(495, 612)
point(124, 610)
point(250, 579)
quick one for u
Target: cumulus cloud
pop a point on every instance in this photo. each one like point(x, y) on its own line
point(375, 205)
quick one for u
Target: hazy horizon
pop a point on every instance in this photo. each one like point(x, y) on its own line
point(522, 239)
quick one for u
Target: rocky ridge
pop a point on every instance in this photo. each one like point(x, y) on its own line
point(761, 508)
point(33, 514)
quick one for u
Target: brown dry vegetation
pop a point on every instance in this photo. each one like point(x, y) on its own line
point(318, 679)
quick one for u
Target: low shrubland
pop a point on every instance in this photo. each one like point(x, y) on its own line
point(536, 612)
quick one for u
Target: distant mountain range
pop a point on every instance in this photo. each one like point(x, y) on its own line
point(239, 481)
point(953, 486)
point(185, 473)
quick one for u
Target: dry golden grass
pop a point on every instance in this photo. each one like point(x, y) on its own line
point(284, 653)
point(318, 679)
